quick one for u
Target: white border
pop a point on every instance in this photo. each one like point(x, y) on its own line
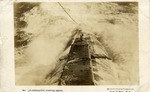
point(7, 77)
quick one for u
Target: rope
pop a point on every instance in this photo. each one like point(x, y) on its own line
point(67, 13)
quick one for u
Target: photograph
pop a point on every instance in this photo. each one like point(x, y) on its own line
point(76, 43)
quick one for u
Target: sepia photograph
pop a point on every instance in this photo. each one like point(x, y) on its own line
point(76, 43)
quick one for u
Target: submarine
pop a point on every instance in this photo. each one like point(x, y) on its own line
point(81, 66)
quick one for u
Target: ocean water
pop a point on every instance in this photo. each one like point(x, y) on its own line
point(113, 26)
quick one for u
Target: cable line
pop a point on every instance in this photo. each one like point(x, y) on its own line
point(67, 12)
